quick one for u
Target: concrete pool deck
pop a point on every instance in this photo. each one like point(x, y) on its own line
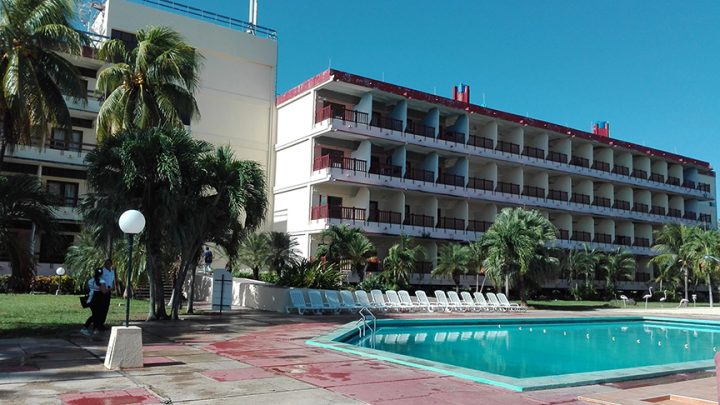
point(248, 356)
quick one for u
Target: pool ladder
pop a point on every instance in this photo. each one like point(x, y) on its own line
point(367, 322)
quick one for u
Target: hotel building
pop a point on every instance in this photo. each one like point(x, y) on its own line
point(393, 160)
point(236, 97)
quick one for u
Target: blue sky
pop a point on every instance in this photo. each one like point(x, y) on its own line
point(651, 68)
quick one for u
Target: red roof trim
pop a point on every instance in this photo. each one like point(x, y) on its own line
point(350, 78)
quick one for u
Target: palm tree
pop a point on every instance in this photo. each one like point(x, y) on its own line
point(477, 256)
point(151, 85)
point(701, 245)
point(400, 261)
point(283, 251)
point(617, 265)
point(513, 243)
point(334, 242)
point(582, 264)
point(453, 261)
point(672, 259)
point(35, 77)
point(357, 251)
point(23, 199)
point(255, 253)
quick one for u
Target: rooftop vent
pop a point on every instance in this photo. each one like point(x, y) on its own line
point(461, 93)
point(601, 128)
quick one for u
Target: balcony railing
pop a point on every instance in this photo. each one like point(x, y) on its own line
point(451, 179)
point(621, 170)
point(674, 212)
point(623, 240)
point(703, 187)
point(557, 157)
point(480, 142)
point(58, 144)
point(480, 184)
point(331, 111)
point(640, 174)
point(534, 152)
point(602, 238)
point(337, 212)
point(557, 195)
point(510, 188)
point(451, 223)
point(673, 181)
point(579, 161)
point(336, 162)
point(423, 267)
point(508, 147)
point(419, 129)
point(642, 242)
point(580, 198)
point(657, 210)
point(642, 277)
point(426, 221)
point(478, 226)
point(622, 205)
point(65, 201)
point(690, 215)
point(600, 165)
point(657, 177)
point(688, 184)
point(451, 136)
point(602, 202)
point(384, 217)
point(420, 175)
point(387, 123)
point(386, 170)
point(705, 218)
point(640, 207)
point(563, 234)
point(532, 191)
point(581, 236)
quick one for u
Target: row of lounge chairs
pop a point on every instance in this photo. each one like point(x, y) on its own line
point(345, 300)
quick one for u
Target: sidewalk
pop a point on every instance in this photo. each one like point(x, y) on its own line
point(244, 356)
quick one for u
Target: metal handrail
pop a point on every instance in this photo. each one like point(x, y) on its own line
point(362, 325)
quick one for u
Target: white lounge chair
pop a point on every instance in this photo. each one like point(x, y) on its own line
point(379, 300)
point(364, 300)
point(317, 302)
point(333, 301)
point(297, 302)
point(393, 300)
point(468, 301)
point(482, 302)
point(406, 301)
point(455, 301)
point(442, 301)
point(506, 303)
point(493, 300)
point(347, 301)
point(423, 301)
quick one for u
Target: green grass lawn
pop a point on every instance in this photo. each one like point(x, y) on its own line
point(560, 305)
point(56, 315)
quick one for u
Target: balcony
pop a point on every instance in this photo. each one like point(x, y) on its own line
point(65, 201)
point(688, 184)
point(423, 267)
point(557, 157)
point(640, 207)
point(420, 175)
point(674, 212)
point(690, 215)
point(580, 198)
point(657, 210)
point(337, 212)
point(640, 174)
point(707, 218)
point(623, 240)
point(703, 187)
point(480, 184)
point(480, 142)
point(602, 166)
point(425, 221)
point(478, 226)
point(331, 111)
point(642, 277)
point(581, 236)
point(510, 188)
point(336, 162)
point(386, 170)
point(622, 205)
point(563, 234)
point(532, 191)
point(451, 180)
point(385, 217)
point(419, 129)
point(557, 195)
point(533, 152)
point(602, 202)
point(602, 238)
point(657, 177)
point(451, 223)
point(387, 123)
point(580, 161)
point(673, 181)
point(642, 242)
point(621, 170)
point(451, 136)
point(508, 147)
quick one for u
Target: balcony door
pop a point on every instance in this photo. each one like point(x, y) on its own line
point(374, 215)
point(336, 156)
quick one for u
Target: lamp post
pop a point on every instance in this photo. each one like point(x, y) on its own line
point(131, 222)
point(60, 272)
point(685, 273)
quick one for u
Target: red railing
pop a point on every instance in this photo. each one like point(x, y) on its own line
point(480, 184)
point(480, 142)
point(337, 212)
point(478, 226)
point(533, 152)
point(451, 223)
point(510, 188)
point(384, 217)
point(508, 147)
point(344, 163)
point(420, 175)
point(451, 136)
point(557, 157)
point(426, 221)
point(331, 111)
point(580, 161)
point(451, 179)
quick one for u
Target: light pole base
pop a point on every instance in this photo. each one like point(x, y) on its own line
point(125, 348)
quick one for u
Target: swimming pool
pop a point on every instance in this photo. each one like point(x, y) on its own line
point(523, 354)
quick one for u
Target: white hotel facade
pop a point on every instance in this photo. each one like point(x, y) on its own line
point(392, 160)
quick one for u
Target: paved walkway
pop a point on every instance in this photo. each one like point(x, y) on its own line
point(254, 357)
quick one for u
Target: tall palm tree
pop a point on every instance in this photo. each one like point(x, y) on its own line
point(582, 264)
point(617, 266)
point(673, 260)
point(357, 251)
point(23, 199)
point(35, 77)
point(701, 245)
point(400, 261)
point(283, 251)
point(151, 85)
point(334, 242)
point(513, 243)
point(255, 253)
point(453, 261)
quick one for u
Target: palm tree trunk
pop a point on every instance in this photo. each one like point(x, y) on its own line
point(256, 273)
point(3, 148)
point(191, 296)
point(507, 284)
point(709, 283)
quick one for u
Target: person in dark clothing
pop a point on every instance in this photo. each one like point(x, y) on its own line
point(107, 280)
point(94, 302)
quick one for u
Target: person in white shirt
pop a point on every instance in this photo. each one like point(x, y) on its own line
point(96, 288)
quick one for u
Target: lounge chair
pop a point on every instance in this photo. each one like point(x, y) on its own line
point(317, 302)
point(379, 300)
point(406, 301)
point(394, 300)
point(455, 301)
point(297, 302)
point(468, 301)
point(506, 303)
point(347, 301)
point(493, 300)
point(423, 301)
point(364, 301)
point(333, 301)
point(482, 302)
point(442, 301)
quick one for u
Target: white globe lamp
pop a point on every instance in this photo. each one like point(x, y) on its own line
point(132, 222)
point(60, 271)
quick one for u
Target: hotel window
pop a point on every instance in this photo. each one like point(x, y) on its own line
point(66, 194)
point(66, 140)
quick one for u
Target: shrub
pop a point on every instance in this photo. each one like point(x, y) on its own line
point(306, 274)
point(41, 284)
point(269, 277)
point(4, 284)
point(65, 284)
point(243, 274)
point(373, 282)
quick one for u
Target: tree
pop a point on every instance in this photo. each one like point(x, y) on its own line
point(342, 244)
point(513, 243)
point(23, 199)
point(453, 261)
point(283, 251)
point(255, 253)
point(702, 247)
point(400, 261)
point(673, 260)
point(617, 266)
point(357, 251)
point(35, 77)
point(151, 85)
point(582, 264)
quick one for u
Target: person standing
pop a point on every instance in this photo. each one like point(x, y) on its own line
point(93, 301)
point(208, 258)
point(107, 282)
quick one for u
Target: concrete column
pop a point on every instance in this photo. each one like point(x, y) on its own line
point(363, 152)
point(432, 119)
point(431, 163)
point(399, 157)
point(462, 124)
point(400, 113)
point(365, 105)
point(490, 131)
